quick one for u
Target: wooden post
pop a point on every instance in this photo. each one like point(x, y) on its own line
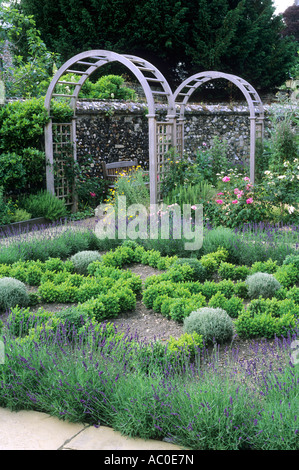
point(152, 157)
point(49, 157)
point(252, 149)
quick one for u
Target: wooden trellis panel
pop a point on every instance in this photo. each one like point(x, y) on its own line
point(62, 156)
point(164, 142)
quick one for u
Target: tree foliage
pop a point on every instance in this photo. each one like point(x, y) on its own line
point(291, 19)
point(180, 38)
point(32, 61)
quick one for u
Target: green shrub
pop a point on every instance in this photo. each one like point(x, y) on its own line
point(179, 273)
point(262, 284)
point(56, 264)
point(241, 289)
point(33, 275)
point(233, 272)
point(211, 261)
point(119, 257)
point(180, 308)
point(5, 217)
point(293, 294)
point(82, 260)
point(233, 306)
point(132, 281)
point(150, 294)
point(274, 307)
point(73, 316)
point(187, 343)
point(18, 271)
point(208, 289)
point(226, 287)
point(287, 275)
point(265, 325)
point(21, 320)
point(64, 292)
point(292, 259)
point(268, 266)
point(12, 293)
point(126, 298)
point(44, 204)
point(20, 215)
point(221, 237)
point(214, 325)
point(200, 272)
point(12, 172)
point(103, 307)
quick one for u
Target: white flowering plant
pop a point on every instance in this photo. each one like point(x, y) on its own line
point(281, 189)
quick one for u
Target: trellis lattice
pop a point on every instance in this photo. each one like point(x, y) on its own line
point(63, 161)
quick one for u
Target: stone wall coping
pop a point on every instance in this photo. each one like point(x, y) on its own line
point(131, 107)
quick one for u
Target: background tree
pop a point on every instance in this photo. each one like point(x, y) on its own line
point(180, 38)
point(291, 19)
point(32, 61)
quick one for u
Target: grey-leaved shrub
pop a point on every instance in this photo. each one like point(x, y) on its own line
point(214, 324)
point(262, 284)
point(12, 293)
point(82, 259)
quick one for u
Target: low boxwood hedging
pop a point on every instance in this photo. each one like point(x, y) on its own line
point(108, 287)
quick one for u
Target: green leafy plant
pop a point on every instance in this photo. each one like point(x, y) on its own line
point(213, 324)
point(211, 161)
point(4, 209)
point(200, 272)
point(20, 215)
point(12, 172)
point(287, 275)
point(44, 204)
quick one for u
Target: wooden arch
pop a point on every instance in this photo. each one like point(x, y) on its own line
point(256, 109)
point(154, 86)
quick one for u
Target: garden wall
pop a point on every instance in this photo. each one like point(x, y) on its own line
point(113, 131)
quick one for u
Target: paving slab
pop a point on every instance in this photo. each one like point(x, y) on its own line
point(32, 430)
point(104, 438)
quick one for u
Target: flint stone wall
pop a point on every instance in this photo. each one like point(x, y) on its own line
point(113, 131)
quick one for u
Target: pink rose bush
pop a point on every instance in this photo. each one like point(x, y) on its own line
point(239, 202)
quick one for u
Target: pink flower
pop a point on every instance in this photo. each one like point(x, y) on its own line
point(246, 178)
point(248, 186)
point(93, 194)
point(193, 207)
point(249, 200)
point(226, 179)
point(219, 201)
point(236, 190)
point(235, 201)
point(220, 194)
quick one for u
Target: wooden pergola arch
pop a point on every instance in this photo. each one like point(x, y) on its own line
point(154, 86)
point(163, 135)
point(256, 109)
